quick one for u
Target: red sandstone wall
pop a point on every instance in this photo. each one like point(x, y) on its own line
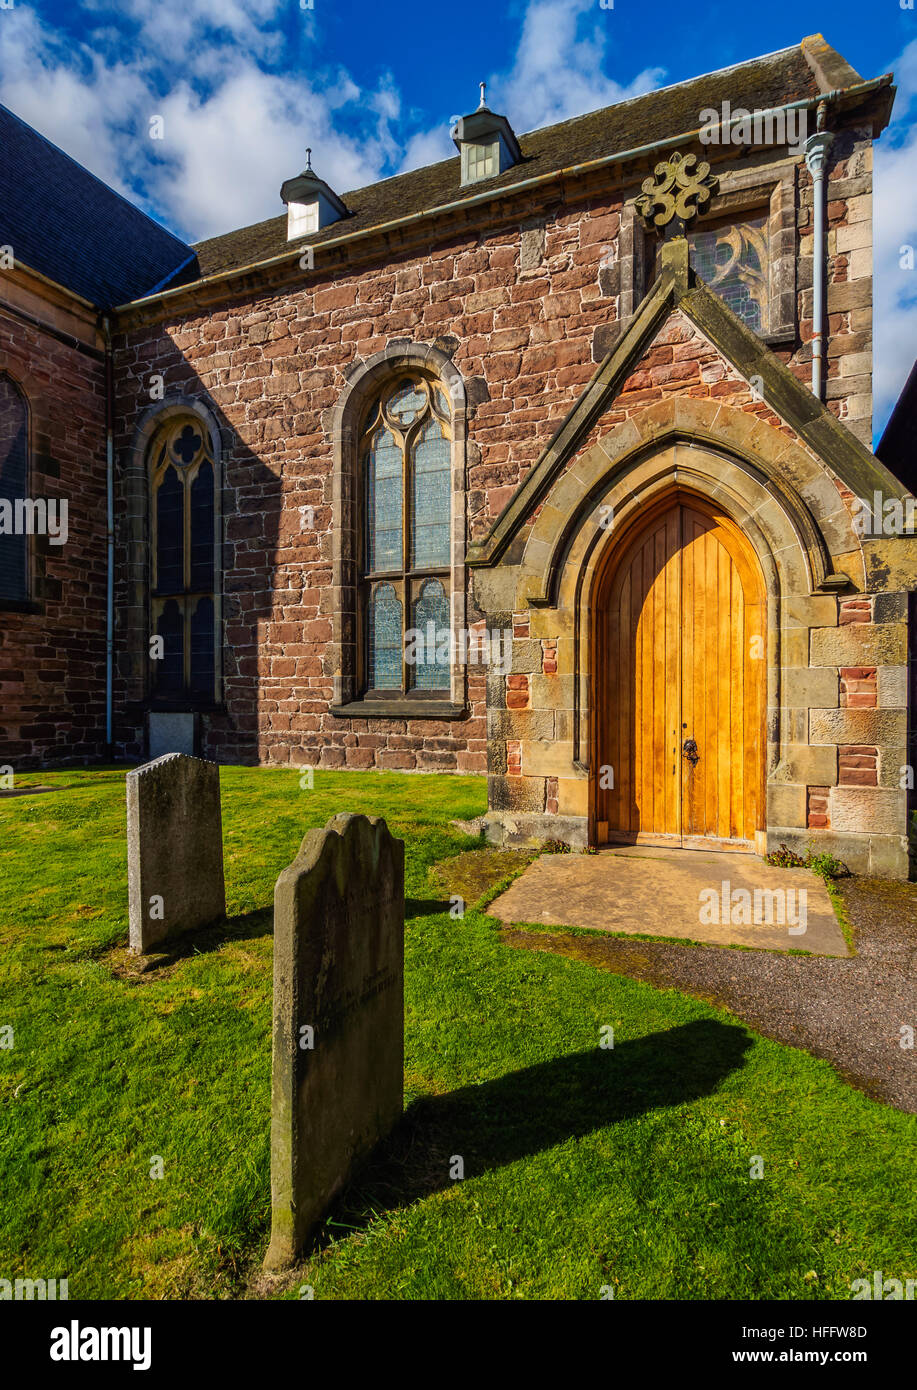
point(272, 366)
point(52, 659)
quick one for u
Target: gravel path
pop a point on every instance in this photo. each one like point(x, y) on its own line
point(847, 1011)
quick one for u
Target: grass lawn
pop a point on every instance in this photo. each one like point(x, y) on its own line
point(584, 1167)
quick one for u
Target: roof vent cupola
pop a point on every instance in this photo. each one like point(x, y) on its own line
point(486, 143)
point(311, 203)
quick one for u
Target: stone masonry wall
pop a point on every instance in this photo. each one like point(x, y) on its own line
point(517, 305)
point(52, 655)
point(837, 755)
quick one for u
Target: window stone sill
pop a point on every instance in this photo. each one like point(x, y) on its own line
point(21, 605)
point(151, 706)
point(399, 709)
point(781, 337)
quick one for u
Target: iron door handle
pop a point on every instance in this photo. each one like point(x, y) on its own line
point(689, 748)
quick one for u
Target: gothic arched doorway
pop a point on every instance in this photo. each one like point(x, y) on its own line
point(680, 659)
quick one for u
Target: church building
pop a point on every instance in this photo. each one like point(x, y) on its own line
point(549, 462)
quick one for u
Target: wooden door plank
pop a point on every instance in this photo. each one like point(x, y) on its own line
point(623, 772)
point(724, 745)
point(657, 729)
point(674, 639)
point(645, 713)
point(681, 609)
point(687, 662)
point(738, 735)
point(709, 763)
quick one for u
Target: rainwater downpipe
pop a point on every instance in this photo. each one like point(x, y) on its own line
point(817, 148)
point(110, 533)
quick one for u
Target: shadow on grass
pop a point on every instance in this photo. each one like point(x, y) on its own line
point(246, 926)
point(425, 907)
point(528, 1111)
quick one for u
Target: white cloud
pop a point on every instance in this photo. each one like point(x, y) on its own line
point(895, 228)
point(233, 131)
point(560, 65)
point(219, 147)
point(236, 123)
point(558, 72)
point(56, 89)
point(428, 147)
point(199, 29)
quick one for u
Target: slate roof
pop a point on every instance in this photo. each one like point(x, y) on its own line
point(763, 83)
point(70, 226)
point(898, 446)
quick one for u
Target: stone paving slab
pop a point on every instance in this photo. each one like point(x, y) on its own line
point(722, 898)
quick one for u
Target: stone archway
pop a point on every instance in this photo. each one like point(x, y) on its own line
point(678, 637)
point(134, 623)
point(836, 603)
point(343, 424)
point(794, 522)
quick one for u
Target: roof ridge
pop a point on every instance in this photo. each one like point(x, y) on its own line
point(538, 130)
point(669, 87)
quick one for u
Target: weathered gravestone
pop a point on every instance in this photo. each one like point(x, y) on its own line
point(338, 1041)
point(174, 848)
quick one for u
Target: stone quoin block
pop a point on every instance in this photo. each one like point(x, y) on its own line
point(892, 687)
point(338, 1032)
point(174, 848)
point(814, 687)
point(866, 810)
point(860, 644)
point(873, 726)
point(786, 805)
point(809, 763)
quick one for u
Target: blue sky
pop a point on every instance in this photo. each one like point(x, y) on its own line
point(242, 86)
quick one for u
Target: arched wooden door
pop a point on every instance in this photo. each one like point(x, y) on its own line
point(680, 648)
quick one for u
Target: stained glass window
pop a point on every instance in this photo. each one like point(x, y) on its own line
point(384, 503)
point(407, 489)
point(385, 667)
point(201, 648)
point(733, 260)
point(202, 528)
point(184, 495)
point(14, 473)
point(430, 514)
point(431, 618)
point(170, 665)
point(170, 532)
point(407, 403)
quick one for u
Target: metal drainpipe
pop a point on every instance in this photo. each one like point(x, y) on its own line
point(110, 533)
point(817, 148)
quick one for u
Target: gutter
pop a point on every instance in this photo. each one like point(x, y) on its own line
point(109, 533)
point(489, 195)
point(171, 275)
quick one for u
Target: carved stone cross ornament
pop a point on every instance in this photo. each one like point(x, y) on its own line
point(676, 190)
